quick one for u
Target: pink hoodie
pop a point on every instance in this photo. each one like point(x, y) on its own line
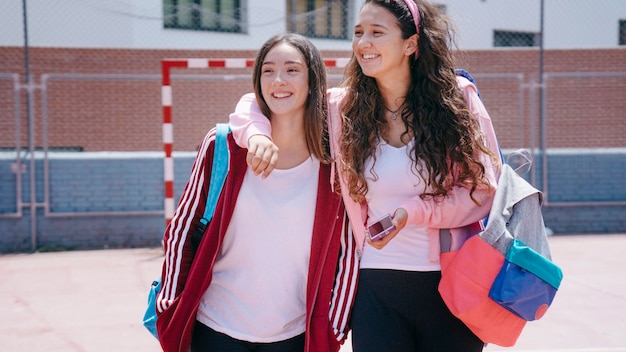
point(457, 211)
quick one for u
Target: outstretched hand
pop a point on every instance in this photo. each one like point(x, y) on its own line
point(262, 155)
point(399, 219)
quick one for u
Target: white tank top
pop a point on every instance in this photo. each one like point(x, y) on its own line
point(397, 181)
point(258, 291)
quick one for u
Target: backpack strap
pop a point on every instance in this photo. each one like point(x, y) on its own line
point(218, 171)
point(464, 73)
point(445, 237)
point(218, 176)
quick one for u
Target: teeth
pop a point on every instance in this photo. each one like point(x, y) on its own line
point(281, 95)
point(369, 56)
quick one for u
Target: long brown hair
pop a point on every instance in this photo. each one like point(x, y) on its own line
point(447, 138)
point(316, 109)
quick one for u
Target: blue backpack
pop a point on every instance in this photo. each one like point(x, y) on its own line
point(218, 176)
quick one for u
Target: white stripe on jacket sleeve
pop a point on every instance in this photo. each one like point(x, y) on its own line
point(345, 283)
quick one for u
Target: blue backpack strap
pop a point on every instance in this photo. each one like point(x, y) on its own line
point(219, 170)
point(463, 73)
point(218, 176)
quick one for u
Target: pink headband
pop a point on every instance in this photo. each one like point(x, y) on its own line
point(416, 18)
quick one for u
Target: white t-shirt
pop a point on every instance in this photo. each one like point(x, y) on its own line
point(397, 181)
point(258, 291)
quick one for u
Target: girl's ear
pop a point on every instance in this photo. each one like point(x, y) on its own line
point(411, 45)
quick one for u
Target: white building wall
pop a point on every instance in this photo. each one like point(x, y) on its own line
point(134, 24)
point(567, 23)
point(476, 20)
point(138, 24)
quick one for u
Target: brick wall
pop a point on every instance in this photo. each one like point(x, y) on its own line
point(120, 110)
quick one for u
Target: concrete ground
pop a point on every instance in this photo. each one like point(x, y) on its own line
point(94, 300)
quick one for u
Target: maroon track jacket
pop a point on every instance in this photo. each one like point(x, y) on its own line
point(185, 278)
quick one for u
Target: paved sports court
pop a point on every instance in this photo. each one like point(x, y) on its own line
point(94, 300)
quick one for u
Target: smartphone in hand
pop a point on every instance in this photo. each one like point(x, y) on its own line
point(381, 228)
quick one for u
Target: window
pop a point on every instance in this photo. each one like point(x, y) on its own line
point(318, 18)
point(622, 32)
point(512, 38)
point(205, 15)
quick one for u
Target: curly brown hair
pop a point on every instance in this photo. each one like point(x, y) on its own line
point(447, 138)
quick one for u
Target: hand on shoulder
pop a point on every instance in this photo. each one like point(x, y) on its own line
point(262, 155)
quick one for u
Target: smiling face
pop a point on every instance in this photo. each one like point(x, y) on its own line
point(378, 45)
point(284, 80)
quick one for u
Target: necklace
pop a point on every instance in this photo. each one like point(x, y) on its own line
point(394, 113)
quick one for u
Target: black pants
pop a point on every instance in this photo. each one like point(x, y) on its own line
point(402, 311)
point(206, 339)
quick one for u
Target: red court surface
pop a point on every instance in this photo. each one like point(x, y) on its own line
point(94, 300)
